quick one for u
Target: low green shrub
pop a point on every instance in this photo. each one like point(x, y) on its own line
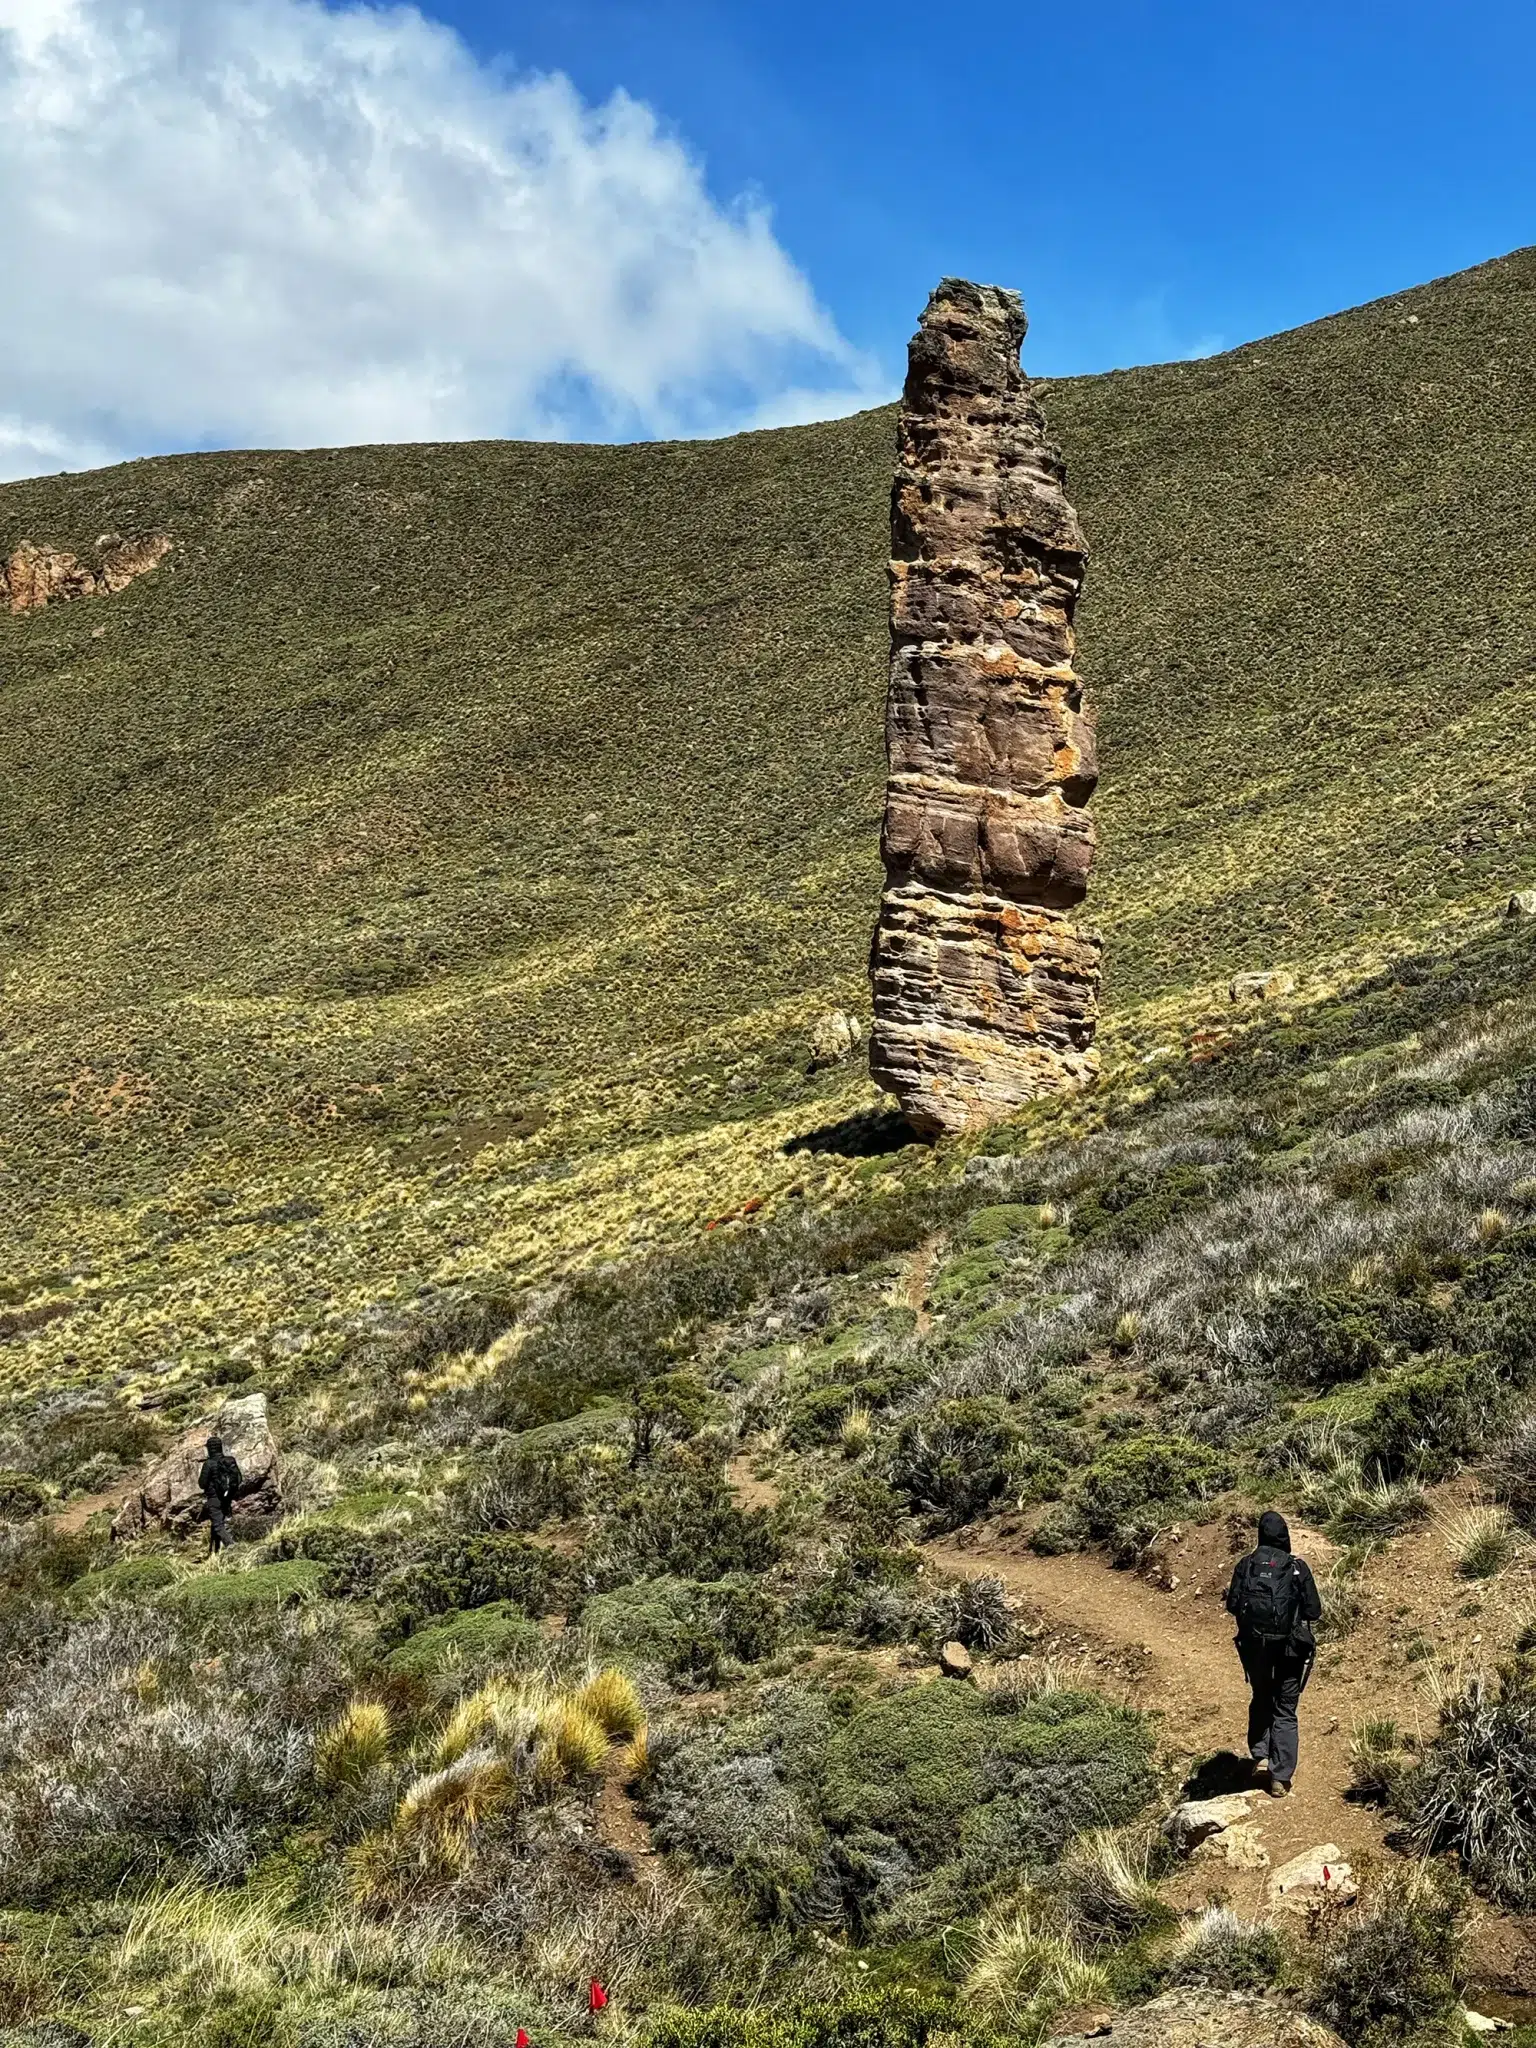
point(129, 1579)
point(896, 2018)
point(680, 1519)
point(1426, 1422)
point(992, 1784)
point(690, 1627)
point(1000, 1221)
point(1135, 1204)
point(485, 1636)
point(955, 1460)
point(265, 1585)
point(1322, 1340)
point(669, 1406)
point(476, 1571)
point(1139, 1485)
point(910, 1766)
point(21, 1496)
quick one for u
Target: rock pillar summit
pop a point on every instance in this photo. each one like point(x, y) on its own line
point(985, 990)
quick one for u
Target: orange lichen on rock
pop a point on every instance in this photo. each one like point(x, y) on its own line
point(985, 991)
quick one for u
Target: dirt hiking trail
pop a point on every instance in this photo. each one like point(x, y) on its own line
point(1161, 1639)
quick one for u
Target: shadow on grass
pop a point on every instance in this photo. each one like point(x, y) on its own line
point(869, 1135)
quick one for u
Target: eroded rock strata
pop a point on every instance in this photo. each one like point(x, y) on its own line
point(35, 576)
point(985, 989)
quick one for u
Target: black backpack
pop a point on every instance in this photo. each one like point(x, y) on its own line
point(229, 1477)
point(1268, 1600)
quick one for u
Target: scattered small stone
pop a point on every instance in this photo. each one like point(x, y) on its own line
point(955, 1661)
point(1261, 988)
point(1484, 2023)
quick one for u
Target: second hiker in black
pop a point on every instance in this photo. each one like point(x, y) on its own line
point(218, 1481)
point(1274, 1600)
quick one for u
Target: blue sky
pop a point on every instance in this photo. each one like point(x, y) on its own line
point(1159, 178)
point(244, 223)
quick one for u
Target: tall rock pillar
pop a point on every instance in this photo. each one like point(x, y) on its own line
point(985, 990)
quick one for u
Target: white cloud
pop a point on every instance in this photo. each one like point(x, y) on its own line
point(269, 222)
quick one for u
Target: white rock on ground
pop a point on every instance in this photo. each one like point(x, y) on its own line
point(1322, 1869)
point(168, 1496)
point(1196, 1820)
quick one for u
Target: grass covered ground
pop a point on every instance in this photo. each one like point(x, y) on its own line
point(432, 870)
point(417, 894)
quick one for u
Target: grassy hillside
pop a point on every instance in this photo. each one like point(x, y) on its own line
point(416, 896)
point(432, 870)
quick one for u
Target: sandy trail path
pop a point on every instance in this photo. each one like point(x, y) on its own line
point(1162, 1641)
point(1169, 1651)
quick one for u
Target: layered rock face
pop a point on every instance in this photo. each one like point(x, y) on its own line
point(35, 576)
point(985, 990)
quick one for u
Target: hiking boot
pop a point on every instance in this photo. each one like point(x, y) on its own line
point(1277, 1788)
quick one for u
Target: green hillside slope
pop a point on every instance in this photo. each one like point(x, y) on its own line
point(433, 868)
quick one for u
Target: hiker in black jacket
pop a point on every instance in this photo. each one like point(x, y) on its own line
point(1273, 1599)
point(218, 1480)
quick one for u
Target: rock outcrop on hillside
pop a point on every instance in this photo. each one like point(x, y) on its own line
point(35, 576)
point(985, 990)
point(1207, 2019)
point(169, 1496)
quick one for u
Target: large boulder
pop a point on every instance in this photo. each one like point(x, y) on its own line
point(169, 1497)
point(1208, 2019)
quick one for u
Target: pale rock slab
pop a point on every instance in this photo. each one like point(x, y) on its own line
point(1196, 1820)
point(1320, 1871)
point(34, 576)
point(1210, 2019)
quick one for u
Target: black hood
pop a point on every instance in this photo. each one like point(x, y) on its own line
point(1273, 1531)
point(215, 1447)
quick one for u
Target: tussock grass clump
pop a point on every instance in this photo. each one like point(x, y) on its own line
point(976, 1612)
point(1475, 1789)
point(353, 1748)
point(854, 1431)
point(1396, 1970)
point(579, 1741)
point(1025, 1973)
point(1223, 1952)
point(246, 1942)
point(614, 1704)
point(1106, 1885)
point(1511, 1472)
point(1481, 1541)
point(1359, 1509)
point(1378, 1756)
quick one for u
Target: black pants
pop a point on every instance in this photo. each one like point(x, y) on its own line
point(218, 1520)
point(1278, 1676)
